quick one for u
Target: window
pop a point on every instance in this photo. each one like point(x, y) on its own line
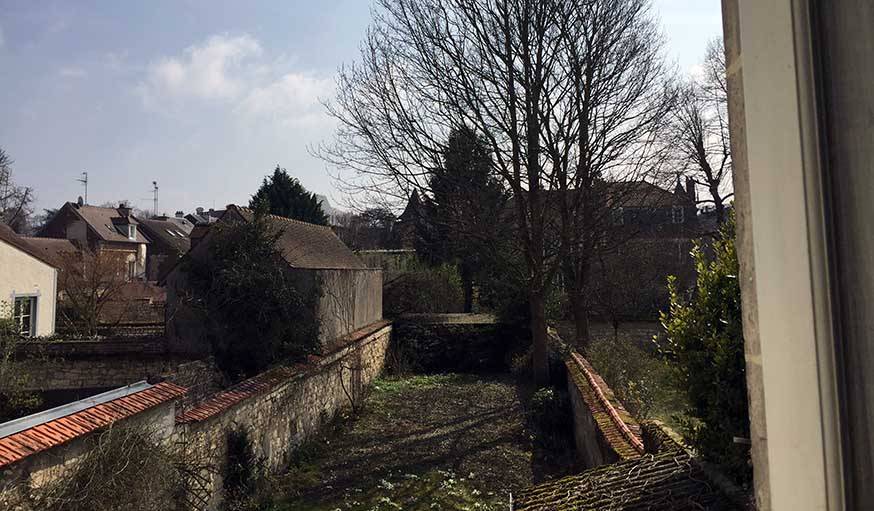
point(131, 270)
point(131, 232)
point(677, 215)
point(24, 315)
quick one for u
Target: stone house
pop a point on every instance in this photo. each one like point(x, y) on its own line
point(28, 285)
point(103, 231)
point(350, 293)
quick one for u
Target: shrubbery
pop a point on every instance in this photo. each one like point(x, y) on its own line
point(704, 344)
point(434, 290)
point(253, 312)
point(15, 400)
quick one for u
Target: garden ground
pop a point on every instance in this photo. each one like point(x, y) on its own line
point(424, 442)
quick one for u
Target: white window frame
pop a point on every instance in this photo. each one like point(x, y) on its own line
point(131, 231)
point(33, 301)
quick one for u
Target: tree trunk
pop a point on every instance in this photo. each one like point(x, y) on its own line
point(539, 356)
point(581, 322)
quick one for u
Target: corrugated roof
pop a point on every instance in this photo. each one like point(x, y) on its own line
point(60, 427)
point(10, 237)
point(308, 246)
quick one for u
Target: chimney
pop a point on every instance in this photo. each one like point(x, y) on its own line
point(123, 210)
point(180, 214)
point(199, 211)
point(690, 189)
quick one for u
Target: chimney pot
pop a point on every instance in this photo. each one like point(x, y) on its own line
point(180, 214)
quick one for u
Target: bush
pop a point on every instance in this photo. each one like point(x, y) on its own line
point(704, 341)
point(15, 400)
point(245, 482)
point(125, 468)
point(549, 416)
point(435, 290)
point(253, 312)
point(641, 381)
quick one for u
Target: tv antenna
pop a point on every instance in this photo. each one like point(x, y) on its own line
point(155, 197)
point(84, 181)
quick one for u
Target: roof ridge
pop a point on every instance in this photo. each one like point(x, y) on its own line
point(278, 217)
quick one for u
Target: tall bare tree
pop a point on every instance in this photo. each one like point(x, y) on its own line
point(430, 66)
point(605, 136)
point(700, 131)
point(15, 200)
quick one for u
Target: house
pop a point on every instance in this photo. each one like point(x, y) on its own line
point(102, 230)
point(28, 285)
point(203, 217)
point(169, 239)
point(350, 293)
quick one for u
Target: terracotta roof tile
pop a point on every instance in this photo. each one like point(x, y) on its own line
point(19, 445)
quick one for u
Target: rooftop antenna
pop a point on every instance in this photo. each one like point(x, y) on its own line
point(155, 198)
point(84, 181)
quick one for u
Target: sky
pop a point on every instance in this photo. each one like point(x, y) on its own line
point(205, 97)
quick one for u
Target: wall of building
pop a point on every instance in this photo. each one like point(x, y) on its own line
point(22, 274)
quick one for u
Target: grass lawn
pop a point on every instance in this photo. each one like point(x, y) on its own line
point(436, 442)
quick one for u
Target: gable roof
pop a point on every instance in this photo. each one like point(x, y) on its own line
point(167, 231)
point(11, 238)
point(643, 194)
point(305, 245)
point(52, 248)
point(102, 222)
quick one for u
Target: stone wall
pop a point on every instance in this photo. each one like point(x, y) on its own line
point(283, 408)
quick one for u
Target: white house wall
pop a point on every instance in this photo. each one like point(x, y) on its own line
point(22, 274)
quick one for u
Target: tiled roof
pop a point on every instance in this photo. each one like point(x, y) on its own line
point(103, 220)
point(53, 248)
point(10, 237)
point(309, 246)
point(671, 480)
point(223, 400)
point(52, 433)
point(618, 427)
point(168, 231)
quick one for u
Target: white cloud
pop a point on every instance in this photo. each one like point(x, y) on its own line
point(72, 72)
point(216, 69)
point(235, 71)
point(292, 96)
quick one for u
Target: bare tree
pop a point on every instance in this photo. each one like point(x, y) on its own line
point(700, 132)
point(430, 66)
point(87, 282)
point(605, 133)
point(15, 200)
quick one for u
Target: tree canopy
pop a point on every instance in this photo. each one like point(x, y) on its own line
point(283, 195)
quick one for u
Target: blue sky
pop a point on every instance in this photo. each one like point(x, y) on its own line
point(203, 96)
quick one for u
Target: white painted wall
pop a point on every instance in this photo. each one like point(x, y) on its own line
point(23, 274)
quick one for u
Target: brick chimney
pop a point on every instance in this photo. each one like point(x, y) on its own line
point(124, 210)
point(690, 190)
point(180, 214)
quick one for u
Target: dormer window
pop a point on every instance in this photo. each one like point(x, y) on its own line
point(678, 215)
point(131, 231)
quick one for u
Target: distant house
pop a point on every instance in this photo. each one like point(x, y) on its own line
point(102, 230)
point(28, 284)
point(653, 211)
point(204, 217)
point(169, 239)
point(350, 293)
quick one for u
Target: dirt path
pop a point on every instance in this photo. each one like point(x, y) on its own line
point(424, 442)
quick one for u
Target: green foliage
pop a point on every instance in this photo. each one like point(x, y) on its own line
point(433, 290)
point(283, 195)
point(549, 416)
point(704, 343)
point(641, 381)
point(245, 479)
point(461, 221)
point(253, 311)
point(15, 400)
